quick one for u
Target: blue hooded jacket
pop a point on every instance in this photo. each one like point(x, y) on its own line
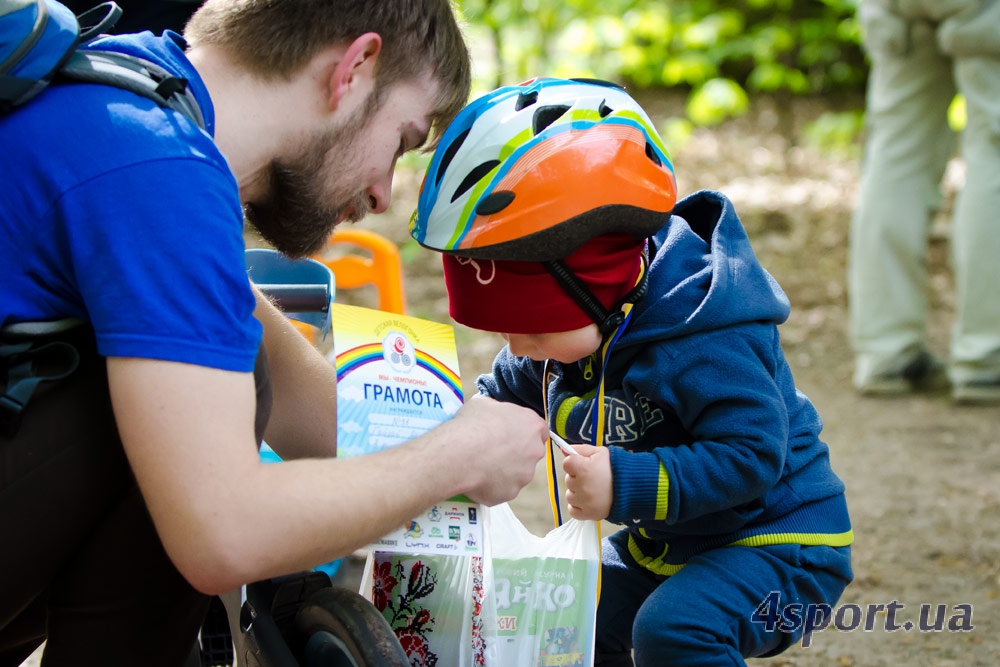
point(712, 444)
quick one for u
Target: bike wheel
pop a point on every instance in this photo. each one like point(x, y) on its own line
point(340, 627)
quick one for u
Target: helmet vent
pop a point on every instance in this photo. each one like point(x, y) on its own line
point(651, 154)
point(474, 177)
point(604, 109)
point(495, 202)
point(545, 116)
point(449, 154)
point(526, 100)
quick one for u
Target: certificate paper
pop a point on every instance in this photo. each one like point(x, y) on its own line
point(397, 378)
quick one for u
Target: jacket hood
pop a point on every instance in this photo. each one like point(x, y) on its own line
point(703, 276)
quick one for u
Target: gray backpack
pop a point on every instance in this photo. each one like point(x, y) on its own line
point(40, 44)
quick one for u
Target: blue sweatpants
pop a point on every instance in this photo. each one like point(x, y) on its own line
point(703, 615)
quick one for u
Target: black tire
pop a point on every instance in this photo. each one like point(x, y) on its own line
point(335, 621)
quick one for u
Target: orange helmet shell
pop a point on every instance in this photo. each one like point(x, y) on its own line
point(532, 172)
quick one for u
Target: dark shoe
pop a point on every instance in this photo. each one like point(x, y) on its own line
point(924, 373)
point(978, 392)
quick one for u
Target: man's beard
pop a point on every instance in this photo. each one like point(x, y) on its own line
point(297, 215)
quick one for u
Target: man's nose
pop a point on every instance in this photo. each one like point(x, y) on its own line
point(380, 195)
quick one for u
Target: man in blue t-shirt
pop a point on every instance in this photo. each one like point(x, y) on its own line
point(133, 488)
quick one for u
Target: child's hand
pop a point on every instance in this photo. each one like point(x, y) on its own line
point(589, 492)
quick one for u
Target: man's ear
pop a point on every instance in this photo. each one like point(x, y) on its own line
point(356, 70)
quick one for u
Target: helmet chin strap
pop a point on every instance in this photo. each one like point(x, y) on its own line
point(607, 321)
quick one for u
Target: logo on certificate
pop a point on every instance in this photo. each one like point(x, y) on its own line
point(398, 352)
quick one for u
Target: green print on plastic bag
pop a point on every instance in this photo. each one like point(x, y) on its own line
point(543, 604)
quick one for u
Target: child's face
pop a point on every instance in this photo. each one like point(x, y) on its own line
point(564, 346)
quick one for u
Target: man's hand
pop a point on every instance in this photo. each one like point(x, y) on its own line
point(589, 491)
point(501, 446)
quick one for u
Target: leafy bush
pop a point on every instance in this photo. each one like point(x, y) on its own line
point(717, 50)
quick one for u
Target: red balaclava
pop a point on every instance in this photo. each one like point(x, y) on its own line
point(523, 298)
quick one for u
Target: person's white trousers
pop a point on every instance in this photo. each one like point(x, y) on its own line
point(920, 56)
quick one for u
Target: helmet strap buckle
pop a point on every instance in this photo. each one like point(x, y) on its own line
point(607, 321)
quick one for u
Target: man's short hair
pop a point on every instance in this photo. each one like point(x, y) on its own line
point(277, 39)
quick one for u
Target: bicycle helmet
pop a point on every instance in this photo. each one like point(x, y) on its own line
point(531, 172)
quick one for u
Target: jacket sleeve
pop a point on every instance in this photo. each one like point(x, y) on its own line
point(726, 398)
point(514, 380)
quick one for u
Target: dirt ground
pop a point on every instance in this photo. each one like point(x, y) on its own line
point(922, 475)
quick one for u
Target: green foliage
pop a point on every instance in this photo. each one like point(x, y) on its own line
point(716, 100)
point(718, 50)
point(956, 113)
point(837, 133)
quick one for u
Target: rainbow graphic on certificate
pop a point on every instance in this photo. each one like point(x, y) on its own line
point(397, 377)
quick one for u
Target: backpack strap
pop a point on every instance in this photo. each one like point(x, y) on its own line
point(98, 20)
point(125, 71)
point(24, 365)
point(31, 329)
point(136, 75)
point(50, 50)
point(129, 72)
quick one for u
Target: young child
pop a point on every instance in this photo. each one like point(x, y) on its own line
point(554, 205)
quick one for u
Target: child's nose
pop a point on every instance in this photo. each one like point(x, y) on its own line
point(519, 344)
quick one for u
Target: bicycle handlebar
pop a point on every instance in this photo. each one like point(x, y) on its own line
point(294, 298)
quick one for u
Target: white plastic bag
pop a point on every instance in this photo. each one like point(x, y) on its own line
point(540, 606)
point(529, 602)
